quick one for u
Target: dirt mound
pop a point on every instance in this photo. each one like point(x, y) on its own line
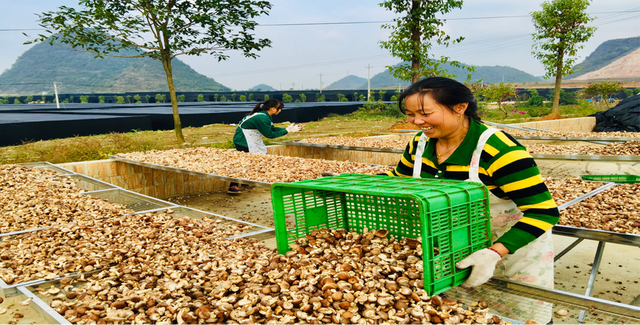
point(404, 126)
point(627, 66)
point(552, 116)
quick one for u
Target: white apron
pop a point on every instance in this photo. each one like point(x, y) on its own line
point(531, 264)
point(253, 137)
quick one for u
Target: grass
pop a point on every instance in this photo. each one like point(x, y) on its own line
point(360, 123)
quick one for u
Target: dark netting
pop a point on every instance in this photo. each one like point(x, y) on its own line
point(624, 117)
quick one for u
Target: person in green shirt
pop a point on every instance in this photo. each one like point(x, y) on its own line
point(254, 126)
point(454, 144)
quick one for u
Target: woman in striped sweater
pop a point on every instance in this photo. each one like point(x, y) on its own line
point(454, 144)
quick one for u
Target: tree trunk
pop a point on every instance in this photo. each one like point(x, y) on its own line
point(415, 40)
point(556, 92)
point(166, 63)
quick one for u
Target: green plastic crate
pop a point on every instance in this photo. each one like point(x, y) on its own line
point(624, 179)
point(450, 215)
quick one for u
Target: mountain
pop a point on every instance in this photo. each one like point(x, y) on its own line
point(38, 68)
point(348, 82)
point(626, 67)
point(605, 54)
point(495, 74)
point(262, 87)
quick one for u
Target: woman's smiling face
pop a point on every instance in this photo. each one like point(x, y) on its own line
point(434, 119)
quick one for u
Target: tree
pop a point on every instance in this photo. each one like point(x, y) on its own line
point(382, 92)
point(266, 98)
point(137, 98)
point(251, 99)
point(29, 99)
point(84, 99)
point(182, 98)
point(233, 97)
point(499, 93)
point(223, 98)
point(340, 97)
point(101, 99)
point(71, 98)
point(119, 100)
point(320, 97)
point(412, 36)
point(129, 99)
point(147, 97)
point(158, 98)
point(160, 30)
point(287, 98)
point(602, 90)
point(215, 97)
point(243, 98)
point(560, 28)
point(17, 100)
point(201, 98)
point(303, 97)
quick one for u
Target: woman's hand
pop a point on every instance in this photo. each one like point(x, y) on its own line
point(292, 128)
point(483, 262)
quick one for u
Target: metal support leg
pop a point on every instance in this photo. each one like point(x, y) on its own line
point(566, 250)
point(592, 277)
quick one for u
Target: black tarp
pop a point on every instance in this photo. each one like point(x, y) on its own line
point(624, 117)
point(19, 128)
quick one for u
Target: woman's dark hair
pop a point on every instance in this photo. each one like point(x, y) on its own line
point(444, 91)
point(267, 105)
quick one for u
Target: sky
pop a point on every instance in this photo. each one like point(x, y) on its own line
point(497, 32)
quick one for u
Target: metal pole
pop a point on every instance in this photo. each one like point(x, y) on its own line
point(321, 83)
point(592, 276)
point(368, 81)
point(55, 89)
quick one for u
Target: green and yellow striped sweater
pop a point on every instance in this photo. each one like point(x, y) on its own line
point(508, 171)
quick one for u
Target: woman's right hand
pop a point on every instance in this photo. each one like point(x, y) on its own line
point(292, 128)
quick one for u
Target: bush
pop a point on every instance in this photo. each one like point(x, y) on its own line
point(17, 100)
point(565, 97)
point(84, 99)
point(101, 98)
point(287, 98)
point(266, 98)
point(297, 101)
point(223, 98)
point(340, 97)
point(535, 99)
point(137, 99)
point(243, 98)
point(29, 99)
point(319, 98)
point(201, 98)
point(119, 99)
point(537, 111)
point(181, 98)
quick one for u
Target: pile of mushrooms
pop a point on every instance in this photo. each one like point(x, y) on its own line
point(329, 276)
point(34, 198)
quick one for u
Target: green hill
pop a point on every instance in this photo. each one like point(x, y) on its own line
point(606, 53)
point(262, 87)
point(348, 82)
point(495, 74)
point(38, 68)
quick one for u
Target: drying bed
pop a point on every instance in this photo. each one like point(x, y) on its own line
point(249, 166)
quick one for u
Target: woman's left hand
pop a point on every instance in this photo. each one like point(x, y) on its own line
point(484, 263)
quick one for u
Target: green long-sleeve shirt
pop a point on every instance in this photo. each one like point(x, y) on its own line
point(263, 123)
point(506, 168)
